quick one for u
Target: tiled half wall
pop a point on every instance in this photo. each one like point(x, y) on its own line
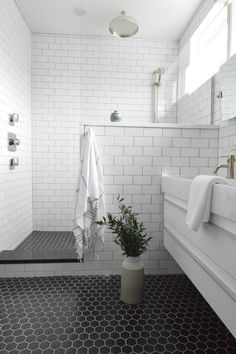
point(133, 160)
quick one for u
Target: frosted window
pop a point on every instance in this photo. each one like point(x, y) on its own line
point(208, 47)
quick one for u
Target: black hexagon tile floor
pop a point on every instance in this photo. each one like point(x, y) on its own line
point(84, 315)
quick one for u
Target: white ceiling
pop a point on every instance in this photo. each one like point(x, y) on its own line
point(162, 19)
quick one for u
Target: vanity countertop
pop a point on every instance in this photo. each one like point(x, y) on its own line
point(223, 196)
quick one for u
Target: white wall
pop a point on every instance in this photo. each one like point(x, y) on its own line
point(117, 74)
point(195, 108)
point(227, 131)
point(78, 79)
point(15, 96)
point(99, 75)
point(55, 117)
point(133, 160)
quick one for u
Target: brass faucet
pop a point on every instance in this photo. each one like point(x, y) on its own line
point(230, 166)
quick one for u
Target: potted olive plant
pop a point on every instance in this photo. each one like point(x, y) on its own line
point(130, 235)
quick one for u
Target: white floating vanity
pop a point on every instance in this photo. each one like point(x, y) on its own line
point(208, 256)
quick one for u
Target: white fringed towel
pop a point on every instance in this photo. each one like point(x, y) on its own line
point(89, 201)
point(199, 203)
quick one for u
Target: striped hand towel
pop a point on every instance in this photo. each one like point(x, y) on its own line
point(90, 202)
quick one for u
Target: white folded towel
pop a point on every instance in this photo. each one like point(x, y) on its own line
point(199, 203)
point(90, 202)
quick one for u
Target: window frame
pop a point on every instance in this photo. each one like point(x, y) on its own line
point(230, 45)
point(231, 18)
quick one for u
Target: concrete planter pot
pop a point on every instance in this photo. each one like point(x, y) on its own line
point(132, 280)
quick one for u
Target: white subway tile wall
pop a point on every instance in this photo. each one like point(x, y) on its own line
point(117, 74)
point(83, 79)
point(15, 96)
point(92, 76)
point(216, 100)
point(227, 139)
point(86, 78)
point(195, 107)
point(56, 101)
point(227, 131)
point(133, 158)
point(135, 172)
point(137, 176)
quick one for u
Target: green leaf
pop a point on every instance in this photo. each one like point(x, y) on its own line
point(130, 234)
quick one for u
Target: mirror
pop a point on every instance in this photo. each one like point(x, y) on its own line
point(228, 88)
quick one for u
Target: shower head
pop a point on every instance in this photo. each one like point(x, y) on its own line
point(123, 26)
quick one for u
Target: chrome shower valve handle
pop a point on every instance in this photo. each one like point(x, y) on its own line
point(14, 142)
point(13, 162)
point(13, 118)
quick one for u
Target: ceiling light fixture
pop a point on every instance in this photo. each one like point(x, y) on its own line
point(123, 26)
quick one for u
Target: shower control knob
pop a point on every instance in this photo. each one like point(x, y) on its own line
point(13, 162)
point(13, 118)
point(14, 141)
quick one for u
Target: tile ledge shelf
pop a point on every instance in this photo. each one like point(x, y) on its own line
point(150, 125)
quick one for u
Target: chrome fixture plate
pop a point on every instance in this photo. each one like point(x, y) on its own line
point(13, 118)
point(13, 162)
point(11, 137)
point(13, 142)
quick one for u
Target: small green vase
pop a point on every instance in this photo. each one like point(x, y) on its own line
point(115, 117)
